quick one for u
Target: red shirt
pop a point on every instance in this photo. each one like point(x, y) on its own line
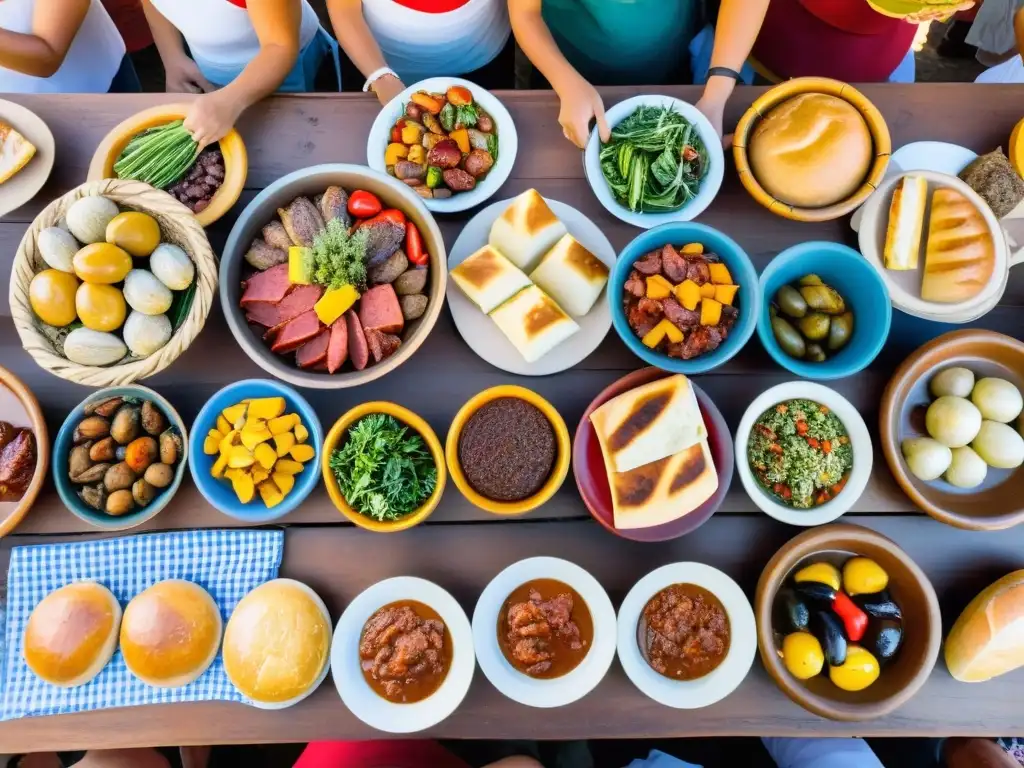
point(433, 6)
point(377, 754)
point(130, 21)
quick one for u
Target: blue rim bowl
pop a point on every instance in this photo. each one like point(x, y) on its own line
point(62, 448)
point(857, 282)
point(748, 300)
point(219, 492)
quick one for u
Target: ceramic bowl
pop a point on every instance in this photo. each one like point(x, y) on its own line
point(748, 299)
point(1017, 147)
point(508, 141)
point(37, 423)
point(709, 185)
point(998, 503)
point(862, 289)
point(558, 471)
point(860, 439)
point(356, 693)
point(592, 478)
point(263, 209)
point(535, 692)
point(64, 443)
point(721, 681)
point(784, 92)
point(922, 624)
point(219, 491)
point(236, 159)
point(336, 438)
point(26, 183)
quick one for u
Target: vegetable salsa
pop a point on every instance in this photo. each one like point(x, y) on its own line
point(800, 453)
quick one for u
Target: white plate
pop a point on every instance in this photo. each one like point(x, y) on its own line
point(374, 710)
point(508, 141)
point(23, 186)
point(860, 439)
point(559, 691)
point(481, 333)
point(721, 681)
point(709, 187)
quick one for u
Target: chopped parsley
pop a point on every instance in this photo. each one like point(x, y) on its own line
point(339, 258)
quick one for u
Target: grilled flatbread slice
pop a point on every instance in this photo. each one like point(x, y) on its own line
point(15, 151)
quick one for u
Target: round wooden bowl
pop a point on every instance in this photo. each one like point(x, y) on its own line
point(998, 503)
point(236, 159)
point(42, 437)
point(922, 624)
point(177, 225)
point(784, 92)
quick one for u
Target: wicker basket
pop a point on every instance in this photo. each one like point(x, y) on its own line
point(177, 225)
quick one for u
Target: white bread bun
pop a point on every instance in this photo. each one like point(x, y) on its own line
point(906, 223)
point(960, 255)
point(526, 230)
point(572, 276)
point(988, 638)
point(489, 279)
point(170, 633)
point(534, 323)
point(277, 642)
point(72, 633)
point(811, 151)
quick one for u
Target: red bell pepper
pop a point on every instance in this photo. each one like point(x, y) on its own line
point(855, 621)
point(414, 245)
point(363, 204)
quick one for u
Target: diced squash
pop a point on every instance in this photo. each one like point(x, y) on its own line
point(301, 433)
point(270, 494)
point(461, 137)
point(223, 426)
point(688, 293)
point(240, 456)
point(282, 424)
point(395, 152)
point(707, 291)
point(219, 466)
point(302, 452)
point(283, 443)
point(300, 265)
point(412, 133)
point(692, 248)
point(254, 424)
point(211, 445)
point(243, 486)
point(710, 312)
point(253, 437)
point(228, 441)
point(259, 474)
point(417, 154)
point(234, 413)
point(288, 467)
point(674, 334)
point(335, 302)
point(266, 407)
point(265, 455)
point(284, 482)
point(726, 293)
point(428, 102)
point(658, 287)
point(654, 337)
point(720, 273)
point(230, 472)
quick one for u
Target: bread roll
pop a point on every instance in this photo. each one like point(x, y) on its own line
point(72, 633)
point(170, 633)
point(277, 642)
point(988, 638)
point(526, 230)
point(906, 223)
point(534, 323)
point(960, 255)
point(572, 276)
point(811, 151)
point(15, 151)
point(489, 279)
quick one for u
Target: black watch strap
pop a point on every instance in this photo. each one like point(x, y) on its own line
point(724, 72)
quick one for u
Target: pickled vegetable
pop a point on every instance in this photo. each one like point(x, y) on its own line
point(100, 307)
point(814, 326)
point(861, 575)
point(802, 654)
point(810, 280)
point(840, 331)
point(823, 573)
point(52, 297)
point(829, 630)
point(815, 353)
point(789, 338)
point(823, 298)
point(858, 672)
point(791, 302)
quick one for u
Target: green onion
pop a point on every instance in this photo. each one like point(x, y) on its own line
point(158, 156)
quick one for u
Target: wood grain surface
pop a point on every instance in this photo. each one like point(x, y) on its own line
point(454, 548)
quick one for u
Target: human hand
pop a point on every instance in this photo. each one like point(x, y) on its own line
point(580, 103)
point(386, 87)
point(713, 108)
point(944, 13)
point(211, 117)
point(183, 76)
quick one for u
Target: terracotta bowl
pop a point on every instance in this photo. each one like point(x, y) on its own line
point(998, 503)
point(784, 92)
point(592, 478)
point(922, 624)
point(38, 425)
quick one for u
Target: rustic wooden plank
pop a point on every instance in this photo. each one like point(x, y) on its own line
point(464, 558)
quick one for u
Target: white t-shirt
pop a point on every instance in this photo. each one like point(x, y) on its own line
point(220, 31)
point(92, 60)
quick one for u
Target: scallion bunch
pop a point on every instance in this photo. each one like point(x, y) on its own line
point(158, 156)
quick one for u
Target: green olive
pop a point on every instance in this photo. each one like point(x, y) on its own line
point(840, 331)
point(858, 671)
point(823, 298)
point(789, 338)
point(810, 280)
point(814, 326)
point(791, 302)
point(815, 353)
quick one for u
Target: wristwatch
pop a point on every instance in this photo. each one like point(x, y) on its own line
point(725, 72)
point(376, 75)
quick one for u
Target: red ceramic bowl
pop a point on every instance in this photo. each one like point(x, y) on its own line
point(592, 478)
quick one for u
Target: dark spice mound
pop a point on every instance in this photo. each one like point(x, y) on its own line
point(507, 449)
point(198, 186)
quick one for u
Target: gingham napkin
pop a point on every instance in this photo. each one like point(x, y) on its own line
point(228, 564)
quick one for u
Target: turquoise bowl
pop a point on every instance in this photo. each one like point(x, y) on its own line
point(62, 448)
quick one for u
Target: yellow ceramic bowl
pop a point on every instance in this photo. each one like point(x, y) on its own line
point(236, 160)
point(784, 92)
point(404, 415)
point(1017, 147)
point(558, 472)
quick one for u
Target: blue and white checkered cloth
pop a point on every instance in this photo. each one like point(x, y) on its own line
point(228, 564)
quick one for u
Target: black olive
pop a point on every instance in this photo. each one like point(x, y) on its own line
point(828, 628)
point(883, 638)
point(879, 605)
point(815, 592)
point(792, 612)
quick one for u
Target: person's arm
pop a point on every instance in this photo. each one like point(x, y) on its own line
point(41, 52)
point(276, 23)
point(580, 101)
point(180, 72)
point(360, 46)
point(739, 22)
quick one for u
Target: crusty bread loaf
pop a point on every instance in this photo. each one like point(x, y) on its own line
point(906, 223)
point(988, 638)
point(960, 254)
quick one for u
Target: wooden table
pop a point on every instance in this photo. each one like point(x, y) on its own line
point(462, 548)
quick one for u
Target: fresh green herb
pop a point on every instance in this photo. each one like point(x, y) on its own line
point(384, 469)
point(492, 146)
point(339, 257)
point(159, 156)
point(447, 117)
point(466, 115)
point(654, 161)
point(181, 304)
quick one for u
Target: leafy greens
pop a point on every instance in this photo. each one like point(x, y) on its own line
point(338, 257)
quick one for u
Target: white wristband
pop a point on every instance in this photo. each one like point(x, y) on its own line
point(376, 75)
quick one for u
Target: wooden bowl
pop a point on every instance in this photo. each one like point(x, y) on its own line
point(236, 159)
point(922, 624)
point(784, 92)
point(592, 478)
point(42, 437)
point(998, 503)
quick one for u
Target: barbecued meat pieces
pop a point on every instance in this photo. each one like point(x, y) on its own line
point(17, 461)
point(532, 625)
point(403, 653)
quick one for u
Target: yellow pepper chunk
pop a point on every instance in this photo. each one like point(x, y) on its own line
point(301, 433)
point(284, 482)
point(240, 457)
point(211, 445)
point(228, 441)
point(461, 137)
point(720, 274)
point(283, 443)
point(300, 265)
point(253, 437)
point(219, 466)
point(411, 133)
point(266, 407)
point(243, 486)
point(692, 248)
point(726, 293)
point(223, 425)
point(658, 287)
point(302, 452)
point(259, 474)
point(672, 333)
point(710, 312)
point(653, 337)
point(688, 294)
point(335, 302)
point(707, 291)
point(282, 424)
point(265, 455)
point(234, 413)
point(270, 494)
point(288, 467)
point(395, 152)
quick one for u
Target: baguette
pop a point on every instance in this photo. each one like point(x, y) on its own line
point(988, 638)
point(906, 224)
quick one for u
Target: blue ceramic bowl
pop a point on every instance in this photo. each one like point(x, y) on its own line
point(219, 492)
point(748, 298)
point(62, 448)
point(857, 282)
